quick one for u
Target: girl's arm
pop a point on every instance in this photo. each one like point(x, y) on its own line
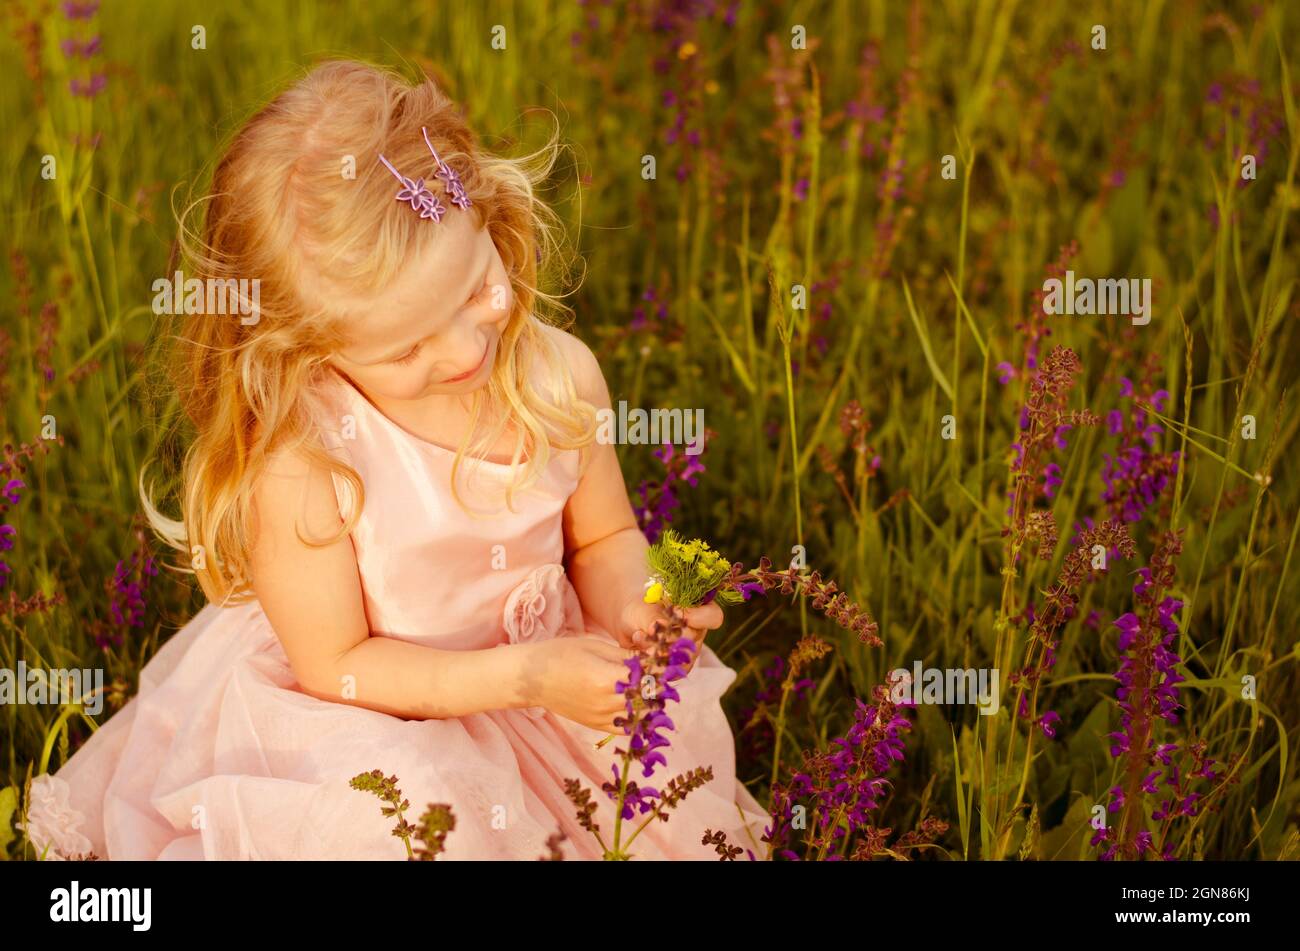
point(312, 597)
point(606, 548)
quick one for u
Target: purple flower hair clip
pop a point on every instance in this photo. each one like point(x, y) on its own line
point(418, 194)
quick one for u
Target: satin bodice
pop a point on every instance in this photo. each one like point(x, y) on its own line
point(433, 572)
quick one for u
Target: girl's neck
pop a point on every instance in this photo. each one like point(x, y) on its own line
point(439, 418)
point(433, 406)
point(430, 406)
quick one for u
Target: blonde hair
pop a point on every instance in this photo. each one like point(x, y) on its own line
point(281, 208)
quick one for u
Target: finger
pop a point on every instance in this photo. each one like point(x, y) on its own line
point(611, 651)
point(619, 640)
point(697, 653)
point(642, 615)
point(624, 639)
point(606, 721)
point(616, 674)
point(707, 616)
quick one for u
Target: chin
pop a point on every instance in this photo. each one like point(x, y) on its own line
point(474, 383)
point(459, 389)
point(412, 394)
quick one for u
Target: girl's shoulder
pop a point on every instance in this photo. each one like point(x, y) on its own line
point(312, 461)
point(581, 363)
point(293, 490)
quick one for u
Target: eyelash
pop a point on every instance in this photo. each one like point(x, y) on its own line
point(415, 351)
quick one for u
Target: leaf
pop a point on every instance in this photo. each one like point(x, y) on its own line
point(1096, 256)
point(970, 320)
point(1087, 745)
point(963, 800)
point(8, 806)
point(925, 343)
point(737, 362)
point(1069, 840)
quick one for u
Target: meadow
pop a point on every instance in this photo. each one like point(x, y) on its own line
point(840, 257)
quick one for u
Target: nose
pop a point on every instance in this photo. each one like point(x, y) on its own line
point(495, 307)
point(464, 354)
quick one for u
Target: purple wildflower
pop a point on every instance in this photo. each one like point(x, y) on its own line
point(86, 49)
point(127, 605)
point(1051, 479)
point(756, 731)
point(657, 499)
point(844, 783)
point(80, 11)
point(1148, 684)
point(645, 726)
point(1136, 476)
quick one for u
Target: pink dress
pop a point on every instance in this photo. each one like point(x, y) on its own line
point(221, 756)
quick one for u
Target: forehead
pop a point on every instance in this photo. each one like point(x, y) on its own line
point(432, 277)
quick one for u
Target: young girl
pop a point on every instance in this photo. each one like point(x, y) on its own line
point(419, 559)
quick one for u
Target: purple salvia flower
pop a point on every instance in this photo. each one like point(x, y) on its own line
point(88, 88)
point(845, 783)
point(1051, 479)
point(1148, 679)
point(1128, 625)
point(11, 490)
point(80, 11)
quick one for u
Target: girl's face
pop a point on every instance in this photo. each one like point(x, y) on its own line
point(437, 327)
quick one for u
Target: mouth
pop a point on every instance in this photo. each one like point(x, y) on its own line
point(470, 374)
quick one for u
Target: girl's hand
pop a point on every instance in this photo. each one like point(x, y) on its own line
point(638, 616)
point(574, 678)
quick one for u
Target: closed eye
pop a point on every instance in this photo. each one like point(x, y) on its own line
point(414, 352)
point(409, 356)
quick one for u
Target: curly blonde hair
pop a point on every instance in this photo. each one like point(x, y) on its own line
point(282, 207)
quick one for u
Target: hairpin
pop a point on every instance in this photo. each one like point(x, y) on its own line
point(421, 198)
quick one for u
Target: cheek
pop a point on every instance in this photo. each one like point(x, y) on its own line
point(505, 297)
point(501, 317)
point(397, 383)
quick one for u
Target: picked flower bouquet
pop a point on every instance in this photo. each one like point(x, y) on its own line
point(685, 574)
